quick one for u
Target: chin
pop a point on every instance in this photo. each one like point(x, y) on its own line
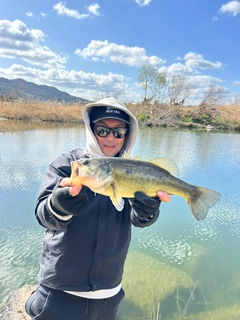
point(109, 153)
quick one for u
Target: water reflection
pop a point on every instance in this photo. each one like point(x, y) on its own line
point(177, 247)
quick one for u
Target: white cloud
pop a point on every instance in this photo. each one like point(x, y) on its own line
point(194, 60)
point(214, 19)
point(72, 13)
point(17, 41)
point(143, 3)
point(18, 31)
point(29, 14)
point(93, 8)
point(105, 51)
point(177, 68)
point(61, 9)
point(236, 83)
point(204, 81)
point(232, 7)
point(43, 15)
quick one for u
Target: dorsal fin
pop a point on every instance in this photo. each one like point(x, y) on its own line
point(168, 164)
point(165, 163)
point(126, 155)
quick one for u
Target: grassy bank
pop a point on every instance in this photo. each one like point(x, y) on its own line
point(41, 111)
point(219, 117)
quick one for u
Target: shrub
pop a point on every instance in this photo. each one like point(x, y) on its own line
point(142, 117)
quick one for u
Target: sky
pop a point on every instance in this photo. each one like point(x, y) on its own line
point(96, 49)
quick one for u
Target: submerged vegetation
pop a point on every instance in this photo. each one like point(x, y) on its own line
point(155, 290)
point(220, 117)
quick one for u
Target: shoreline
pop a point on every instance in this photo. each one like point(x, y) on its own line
point(170, 125)
point(203, 117)
point(13, 307)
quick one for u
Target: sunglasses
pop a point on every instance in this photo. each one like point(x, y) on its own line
point(117, 132)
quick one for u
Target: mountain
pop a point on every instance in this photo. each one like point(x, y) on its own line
point(21, 89)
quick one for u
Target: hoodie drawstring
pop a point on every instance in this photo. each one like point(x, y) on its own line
point(86, 312)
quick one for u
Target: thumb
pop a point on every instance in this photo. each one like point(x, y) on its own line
point(73, 191)
point(163, 196)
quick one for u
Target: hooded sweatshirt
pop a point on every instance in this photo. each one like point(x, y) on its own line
point(91, 144)
point(85, 252)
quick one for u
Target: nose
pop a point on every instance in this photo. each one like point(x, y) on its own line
point(110, 136)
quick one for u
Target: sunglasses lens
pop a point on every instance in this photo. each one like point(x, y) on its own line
point(117, 132)
point(102, 131)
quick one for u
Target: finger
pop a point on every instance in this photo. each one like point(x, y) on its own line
point(163, 196)
point(75, 190)
point(64, 182)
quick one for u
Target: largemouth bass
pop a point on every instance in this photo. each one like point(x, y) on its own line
point(120, 178)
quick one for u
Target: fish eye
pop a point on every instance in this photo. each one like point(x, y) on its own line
point(86, 162)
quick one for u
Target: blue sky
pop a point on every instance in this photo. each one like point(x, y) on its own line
point(93, 49)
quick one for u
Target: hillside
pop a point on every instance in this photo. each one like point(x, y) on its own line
point(20, 89)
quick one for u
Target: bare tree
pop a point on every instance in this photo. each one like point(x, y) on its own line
point(213, 96)
point(152, 82)
point(114, 94)
point(236, 100)
point(178, 89)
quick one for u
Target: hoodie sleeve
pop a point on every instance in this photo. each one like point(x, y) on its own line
point(58, 169)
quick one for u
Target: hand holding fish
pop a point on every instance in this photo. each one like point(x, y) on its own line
point(163, 196)
point(144, 207)
point(73, 191)
point(66, 202)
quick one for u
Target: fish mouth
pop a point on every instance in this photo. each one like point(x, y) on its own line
point(77, 171)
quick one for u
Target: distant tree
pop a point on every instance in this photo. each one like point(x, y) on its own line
point(236, 100)
point(114, 94)
point(178, 89)
point(214, 95)
point(152, 82)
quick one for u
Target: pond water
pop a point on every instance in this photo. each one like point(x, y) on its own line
point(178, 268)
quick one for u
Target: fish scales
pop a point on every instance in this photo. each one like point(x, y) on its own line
point(120, 178)
point(147, 178)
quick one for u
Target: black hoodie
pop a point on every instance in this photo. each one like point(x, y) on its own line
point(85, 252)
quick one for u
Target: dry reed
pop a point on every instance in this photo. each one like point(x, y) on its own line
point(43, 111)
point(223, 117)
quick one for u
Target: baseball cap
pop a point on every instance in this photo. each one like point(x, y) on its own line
point(100, 113)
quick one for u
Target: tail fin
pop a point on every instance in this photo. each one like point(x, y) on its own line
point(203, 200)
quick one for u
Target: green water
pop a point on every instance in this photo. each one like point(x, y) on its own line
point(176, 269)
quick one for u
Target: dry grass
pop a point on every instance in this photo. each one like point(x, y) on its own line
point(222, 117)
point(229, 114)
point(43, 111)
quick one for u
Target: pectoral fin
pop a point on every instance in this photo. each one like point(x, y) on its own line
point(118, 202)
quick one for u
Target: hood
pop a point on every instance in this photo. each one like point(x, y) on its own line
point(92, 144)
